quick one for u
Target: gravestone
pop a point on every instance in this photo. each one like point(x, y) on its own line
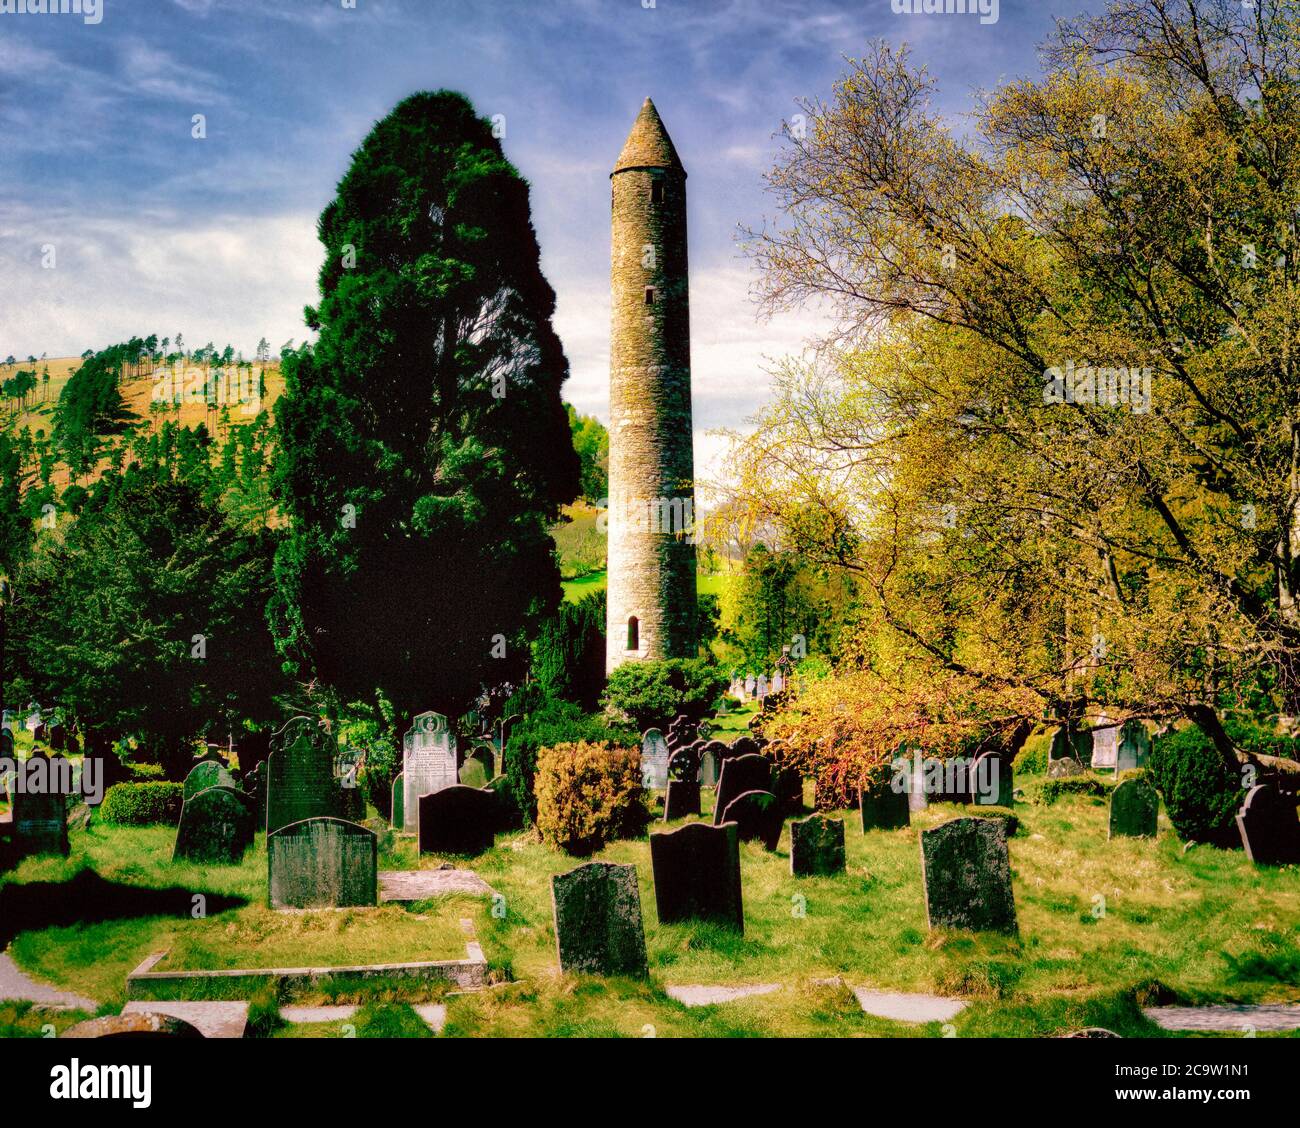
point(712, 755)
point(397, 817)
point(472, 773)
point(1064, 768)
point(597, 914)
point(205, 775)
point(217, 826)
point(1105, 743)
point(1134, 807)
point(681, 732)
point(787, 786)
point(299, 775)
point(322, 863)
point(429, 762)
point(967, 873)
point(40, 820)
point(457, 820)
point(1134, 746)
point(757, 815)
point(683, 795)
point(58, 738)
point(654, 759)
point(697, 874)
point(990, 776)
point(761, 688)
point(883, 808)
point(482, 755)
point(751, 684)
point(751, 772)
point(1270, 831)
point(816, 846)
point(1070, 743)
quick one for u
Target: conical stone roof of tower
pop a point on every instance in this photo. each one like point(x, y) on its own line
point(648, 145)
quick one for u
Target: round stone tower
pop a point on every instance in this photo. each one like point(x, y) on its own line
point(651, 526)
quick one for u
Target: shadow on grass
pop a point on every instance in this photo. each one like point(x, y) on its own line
point(87, 898)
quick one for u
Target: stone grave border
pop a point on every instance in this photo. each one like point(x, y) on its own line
point(146, 984)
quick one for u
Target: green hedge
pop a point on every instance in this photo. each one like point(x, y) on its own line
point(142, 804)
point(1088, 785)
point(1032, 758)
point(1202, 792)
point(652, 694)
point(556, 722)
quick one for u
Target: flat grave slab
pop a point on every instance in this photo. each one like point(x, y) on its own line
point(705, 995)
point(1236, 1017)
point(420, 885)
point(902, 1007)
point(211, 1019)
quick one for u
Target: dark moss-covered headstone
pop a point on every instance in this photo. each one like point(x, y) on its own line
point(697, 874)
point(1134, 808)
point(398, 809)
point(597, 913)
point(757, 815)
point(991, 781)
point(683, 795)
point(217, 826)
point(300, 781)
point(207, 774)
point(883, 808)
point(457, 820)
point(1270, 831)
point(472, 773)
point(750, 772)
point(1134, 747)
point(322, 863)
point(967, 873)
point(486, 762)
point(816, 846)
point(40, 809)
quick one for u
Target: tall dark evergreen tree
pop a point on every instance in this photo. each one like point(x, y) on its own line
point(424, 447)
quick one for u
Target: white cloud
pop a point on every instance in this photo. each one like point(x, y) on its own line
point(228, 279)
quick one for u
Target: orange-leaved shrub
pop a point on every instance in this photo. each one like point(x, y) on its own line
point(589, 794)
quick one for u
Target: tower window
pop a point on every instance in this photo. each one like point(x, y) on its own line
point(649, 295)
point(656, 191)
point(633, 634)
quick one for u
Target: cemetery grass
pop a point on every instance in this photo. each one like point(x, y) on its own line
point(1200, 927)
point(82, 923)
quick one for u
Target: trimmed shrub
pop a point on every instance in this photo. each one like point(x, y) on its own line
point(1201, 792)
point(652, 694)
point(557, 722)
point(1032, 759)
point(587, 795)
point(142, 804)
point(144, 773)
point(1088, 785)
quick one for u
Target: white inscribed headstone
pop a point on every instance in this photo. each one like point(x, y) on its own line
point(428, 761)
point(778, 682)
point(762, 686)
point(654, 759)
point(751, 684)
point(1105, 743)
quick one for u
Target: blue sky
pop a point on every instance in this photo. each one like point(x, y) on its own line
point(155, 231)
